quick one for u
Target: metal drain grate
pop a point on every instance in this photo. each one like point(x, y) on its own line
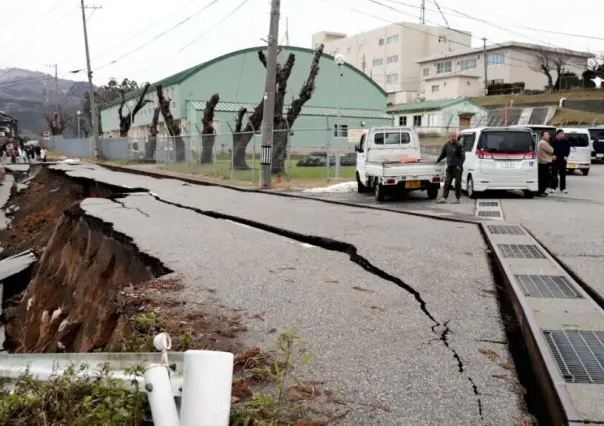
point(488, 203)
point(505, 229)
point(489, 213)
point(547, 286)
point(579, 354)
point(521, 251)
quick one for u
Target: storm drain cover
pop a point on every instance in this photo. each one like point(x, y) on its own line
point(579, 354)
point(488, 203)
point(547, 286)
point(489, 213)
point(521, 251)
point(505, 229)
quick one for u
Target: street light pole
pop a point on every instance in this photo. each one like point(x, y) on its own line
point(339, 60)
point(79, 113)
point(269, 96)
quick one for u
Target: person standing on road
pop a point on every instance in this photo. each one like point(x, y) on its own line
point(561, 153)
point(455, 156)
point(544, 163)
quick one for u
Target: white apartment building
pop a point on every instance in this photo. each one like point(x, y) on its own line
point(461, 73)
point(389, 54)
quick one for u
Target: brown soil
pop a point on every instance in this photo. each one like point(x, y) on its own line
point(40, 208)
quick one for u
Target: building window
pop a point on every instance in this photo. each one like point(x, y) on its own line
point(443, 67)
point(426, 72)
point(417, 120)
point(467, 64)
point(381, 42)
point(392, 59)
point(402, 121)
point(435, 88)
point(442, 39)
point(340, 130)
point(495, 59)
point(378, 62)
point(392, 39)
point(392, 77)
point(432, 120)
point(496, 81)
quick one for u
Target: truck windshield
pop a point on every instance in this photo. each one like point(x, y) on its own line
point(392, 138)
point(507, 142)
point(577, 139)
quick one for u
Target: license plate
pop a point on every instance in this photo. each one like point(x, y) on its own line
point(413, 184)
point(599, 155)
point(507, 165)
point(572, 166)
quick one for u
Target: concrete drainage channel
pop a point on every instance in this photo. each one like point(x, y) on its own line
point(489, 209)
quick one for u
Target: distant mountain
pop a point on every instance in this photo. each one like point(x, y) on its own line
point(24, 95)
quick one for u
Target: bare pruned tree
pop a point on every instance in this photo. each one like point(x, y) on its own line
point(172, 126)
point(127, 119)
point(552, 63)
point(153, 132)
point(208, 132)
point(282, 122)
point(58, 121)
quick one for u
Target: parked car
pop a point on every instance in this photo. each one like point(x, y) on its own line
point(580, 150)
point(596, 141)
point(499, 158)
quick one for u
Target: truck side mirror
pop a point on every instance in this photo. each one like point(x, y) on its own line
point(357, 147)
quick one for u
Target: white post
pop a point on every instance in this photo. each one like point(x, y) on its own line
point(206, 394)
point(161, 399)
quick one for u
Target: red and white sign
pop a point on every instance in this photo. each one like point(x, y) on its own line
point(46, 136)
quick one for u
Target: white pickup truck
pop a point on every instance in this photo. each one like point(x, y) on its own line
point(389, 162)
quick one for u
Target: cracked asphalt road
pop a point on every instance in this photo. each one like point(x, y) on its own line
point(372, 342)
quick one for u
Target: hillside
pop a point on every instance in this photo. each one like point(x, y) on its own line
point(22, 95)
point(540, 99)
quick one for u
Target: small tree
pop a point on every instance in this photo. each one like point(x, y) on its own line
point(153, 132)
point(172, 126)
point(58, 121)
point(127, 119)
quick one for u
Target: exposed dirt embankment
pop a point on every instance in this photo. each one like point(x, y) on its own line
point(71, 303)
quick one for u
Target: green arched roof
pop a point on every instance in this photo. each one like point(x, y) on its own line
point(183, 75)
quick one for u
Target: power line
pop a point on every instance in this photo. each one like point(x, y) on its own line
point(188, 18)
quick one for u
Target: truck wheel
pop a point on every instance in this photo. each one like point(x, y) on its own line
point(433, 191)
point(585, 172)
point(361, 189)
point(379, 192)
point(470, 185)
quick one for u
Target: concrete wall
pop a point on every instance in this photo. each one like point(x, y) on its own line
point(451, 87)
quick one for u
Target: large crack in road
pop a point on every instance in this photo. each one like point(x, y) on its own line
point(441, 329)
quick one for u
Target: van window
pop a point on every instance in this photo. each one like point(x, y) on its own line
point(506, 142)
point(467, 141)
point(392, 138)
point(596, 134)
point(577, 139)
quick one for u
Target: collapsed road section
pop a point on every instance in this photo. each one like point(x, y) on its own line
point(401, 312)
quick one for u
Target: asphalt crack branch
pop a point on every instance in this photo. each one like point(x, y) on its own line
point(355, 257)
point(116, 200)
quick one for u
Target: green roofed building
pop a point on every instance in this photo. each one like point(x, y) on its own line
point(238, 78)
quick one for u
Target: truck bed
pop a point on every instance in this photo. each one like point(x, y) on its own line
point(418, 171)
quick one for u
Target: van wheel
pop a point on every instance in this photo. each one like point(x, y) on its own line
point(361, 189)
point(528, 194)
point(379, 192)
point(585, 172)
point(470, 188)
point(433, 191)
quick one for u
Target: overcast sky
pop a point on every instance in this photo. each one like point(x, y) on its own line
point(36, 33)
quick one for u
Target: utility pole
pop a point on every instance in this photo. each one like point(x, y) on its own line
point(422, 13)
point(93, 106)
point(484, 57)
point(269, 96)
point(287, 31)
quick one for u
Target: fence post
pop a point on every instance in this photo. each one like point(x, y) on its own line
point(254, 158)
point(232, 159)
point(206, 394)
point(161, 399)
point(328, 141)
point(337, 165)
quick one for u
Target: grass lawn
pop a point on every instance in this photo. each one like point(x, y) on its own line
point(222, 169)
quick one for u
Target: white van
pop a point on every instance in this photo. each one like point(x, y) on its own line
point(596, 141)
point(499, 158)
point(580, 150)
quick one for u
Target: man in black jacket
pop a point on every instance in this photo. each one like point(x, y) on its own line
point(561, 153)
point(455, 156)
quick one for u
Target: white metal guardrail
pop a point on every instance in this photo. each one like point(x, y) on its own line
point(202, 379)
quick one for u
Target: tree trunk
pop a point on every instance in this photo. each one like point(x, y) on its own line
point(153, 132)
point(207, 149)
point(280, 142)
point(240, 141)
